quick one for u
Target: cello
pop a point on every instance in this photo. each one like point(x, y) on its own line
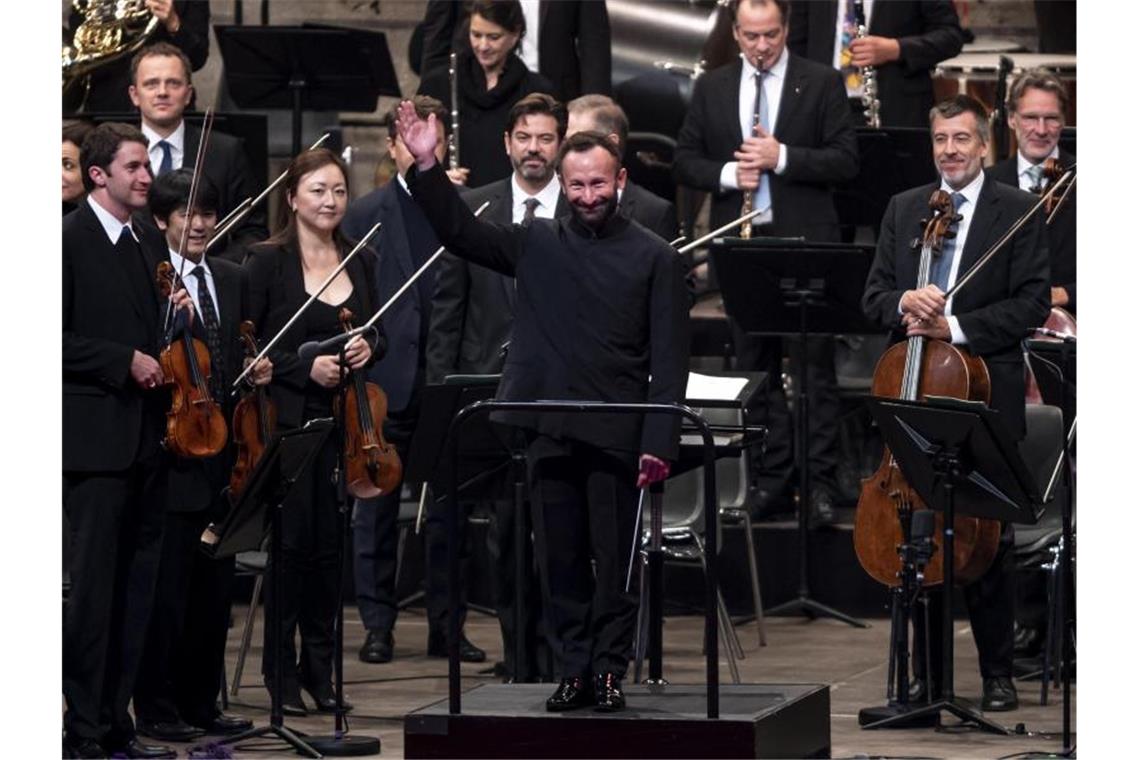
point(912, 370)
point(372, 466)
point(254, 420)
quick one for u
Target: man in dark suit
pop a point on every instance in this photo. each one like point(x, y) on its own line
point(161, 89)
point(905, 40)
point(601, 316)
point(567, 41)
point(406, 241)
point(1037, 105)
point(113, 420)
point(804, 145)
point(987, 319)
point(175, 699)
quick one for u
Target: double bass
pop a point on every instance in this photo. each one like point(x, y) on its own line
point(912, 370)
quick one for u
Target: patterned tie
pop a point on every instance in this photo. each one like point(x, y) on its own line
point(1036, 173)
point(940, 269)
point(528, 215)
point(762, 200)
point(852, 79)
point(213, 334)
point(167, 158)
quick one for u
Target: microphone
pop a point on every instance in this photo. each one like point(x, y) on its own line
point(314, 348)
point(1053, 334)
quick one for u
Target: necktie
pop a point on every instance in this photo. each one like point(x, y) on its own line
point(852, 79)
point(528, 215)
point(762, 200)
point(1035, 172)
point(940, 269)
point(213, 333)
point(167, 158)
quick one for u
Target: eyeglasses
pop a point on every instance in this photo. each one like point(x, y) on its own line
point(1049, 121)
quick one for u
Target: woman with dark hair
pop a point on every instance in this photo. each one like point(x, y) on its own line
point(283, 272)
point(491, 79)
point(73, 190)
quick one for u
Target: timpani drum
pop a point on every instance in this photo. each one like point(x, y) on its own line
point(975, 73)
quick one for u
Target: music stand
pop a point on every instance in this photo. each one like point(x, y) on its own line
point(302, 68)
point(285, 460)
point(958, 456)
point(788, 287)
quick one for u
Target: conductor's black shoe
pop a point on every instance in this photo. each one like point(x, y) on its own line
point(378, 646)
point(468, 652)
point(608, 696)
point(224, 725)
point(998, 695)
point(135, 748)
point(571, 694)
point(169, 731)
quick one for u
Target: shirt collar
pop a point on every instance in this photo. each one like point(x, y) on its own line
point(177, 138)
point(1024, 163)
point(547, 196)
point(971, 191)
point(779, 68)
point(188, 267)
point(112, 226)
point(403, 183)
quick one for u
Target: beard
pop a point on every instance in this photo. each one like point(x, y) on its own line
point(595, 217)
point(542, 172)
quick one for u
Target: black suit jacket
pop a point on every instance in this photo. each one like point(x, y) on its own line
point(1062, 232)
point(194, 485)
point(927, 31)
point(391, 257)
point(573, 45)
point(474, 307)
point(996, 308)
point(276, 292)
point(813, 121)
point(111, 308)
point(590, 324)
point(228, 168)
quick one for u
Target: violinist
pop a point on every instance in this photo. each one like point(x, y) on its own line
point(987, 319)
point(1037, 106)
point(178, 681)
point(114, 469)
point(292, 264)
point(405, 242)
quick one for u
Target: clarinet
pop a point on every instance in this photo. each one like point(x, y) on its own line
point(453, 138)
point(870, 78)
point(746, 206)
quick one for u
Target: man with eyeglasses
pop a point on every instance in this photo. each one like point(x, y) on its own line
point(1037, 106)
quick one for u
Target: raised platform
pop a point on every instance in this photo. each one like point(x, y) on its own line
point(500, 720)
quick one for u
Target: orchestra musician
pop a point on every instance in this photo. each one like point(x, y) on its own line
point(292, 264)
point(73, 134)
point(601, 315)
point(789, 167)
point(988, 319)
point(175, 699)
point(405, 242)
point(1038, 102)
point(114, 469)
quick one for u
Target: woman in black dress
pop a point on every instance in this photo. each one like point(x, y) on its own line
point(283, 272)
point(491, 80)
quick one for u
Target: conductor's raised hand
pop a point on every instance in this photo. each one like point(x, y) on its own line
point(419, 135)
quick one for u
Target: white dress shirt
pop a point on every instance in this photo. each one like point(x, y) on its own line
point(111, 225)
point(528, 50)
point(547, 199)
point(971, 191)
point(191, 281)
point(1024, 180)
point(773, 88)
point(177, 140)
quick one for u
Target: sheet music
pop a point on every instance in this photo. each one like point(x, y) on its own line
point(714, 388)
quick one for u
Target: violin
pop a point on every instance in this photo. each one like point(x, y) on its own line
point(371, 464)
point(911, 370)
point(254, 420)
point(195, 426)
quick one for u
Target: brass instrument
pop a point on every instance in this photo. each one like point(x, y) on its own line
point(110, 30)
point(870, 78)
point(453, 138)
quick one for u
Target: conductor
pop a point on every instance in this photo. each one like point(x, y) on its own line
point(601, 315)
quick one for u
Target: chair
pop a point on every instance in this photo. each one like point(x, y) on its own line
point(249, 564)
point(1037, 547)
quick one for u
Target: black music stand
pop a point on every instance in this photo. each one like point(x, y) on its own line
point(303, 68)
point(285, 460)
point(958, 456)
point(787, 287)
